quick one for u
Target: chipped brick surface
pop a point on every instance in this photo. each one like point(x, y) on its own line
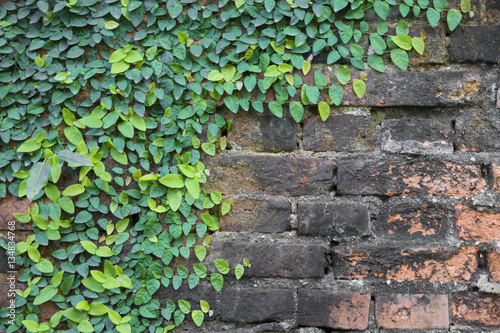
point(333, 309)
point(478, 224)
point(476, 310)
point(397, 311)
point(10, 205)
point(475, 44)
point(493, 259)
point(427, 178)
point(408, 264)
point(477, 132)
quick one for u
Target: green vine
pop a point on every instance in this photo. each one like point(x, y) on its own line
point(126, 93)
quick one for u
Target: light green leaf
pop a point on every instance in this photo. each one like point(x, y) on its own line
point(222, 266)
point(343, 74)
point(217, 281)
point(172, 180)
point(89, 246)
point(453, 19)
point(400, 58)
point(324, 110)
point(28, 146)
point(73, 135)
point(198, 317)
point(418, 44)
point(276, 108)
point(45, 266)
point(119, 67)
point(34, 254)
point(215, 75)
point(225, 208)
point(174, 197)
point(110, 25)
point(104, 251)
point(238, 271)
point(403, 41)
point(208, 148)
point(465, 6)
point(45, 295)
point(297, 111)
point(74, 190)
point(359, 87)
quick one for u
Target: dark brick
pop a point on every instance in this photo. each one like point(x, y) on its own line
point(262, 132)
point(475, 44)
point(492, 12)
point(333, 309)
point(339, 133)
point(476, 310)
point(360, 177)
point(410, 264)
point(274, 260)
point(413, 222)
point(10, 205)
point(239, 174)
point(493, 258)
point(257, 216)
point(475, 132)
point(397, 311)
point(333, 219)
point(478, 224)
point(435, 51)
point(414, 136)
point(257, 305)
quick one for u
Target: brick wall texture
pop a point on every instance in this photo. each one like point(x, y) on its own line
point(384, 217)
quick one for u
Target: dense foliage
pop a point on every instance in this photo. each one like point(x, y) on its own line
point(126, 93)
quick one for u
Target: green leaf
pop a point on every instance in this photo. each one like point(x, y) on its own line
point(465, 6)
point(376, 63)
point(110, 25)
point(284, 68)
point(198, 317)
point(29, 146)
point(276, 108)
point(85, 326)
point(217, 281)
point(418, 44)
point(343, 74)
point(119, 67)
point(119, 157)
point(132, 57)
point(89, 246)
point(200, 252)
point(172, 180)
point(37, 179)
point(215, 75)
point(74, 190)
point(117, 56)
point(208, 148)
point(400, 58)
point(226, 207)
point(104, 251)
point(138, 122)
point(440, 5)
point(336, 94)
point(66, 204)
point(204, 306)
point(34, 254)
point(222, 266)
point(97, 309)
point(45, 266)
point(359, 88)
point(324, 110)
point(453, 19)
point(45, 295)
point(433, 17)
point(73, 135)
point(126, 129)
point(403, 41)
point(382, 9)
point(297, 112)
point(174, 197)
point(142, 296)
point(312, 94)
point(32, 325)
point(184, 306)
point(74, 158)
point(239, 270)
point(320, 80)
point(90, 121)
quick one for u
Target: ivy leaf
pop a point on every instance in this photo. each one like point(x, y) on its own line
point(172, 180)
point(343, 74)
point(36, 180)
point(239, 270)
point(376, 63)
point(222, 266)
point(184, 306)
point(403, 41)
point(359, 88)
point(382, 9)
point(217, 281)
point(297, 112)
point(336, 94)
point(29, 146)
point(208, 148)
point(74, 158)
point(174, 197)
point(320, 80)
point(324, 110)
point(198, 317)
point(433, 17)
point(400, 58)
point(453, 18)
point(276, 108)
point(418, 44)
point(110, 25)
point(215, 75)
point(465, 6)
point(119, 67)
point(45, 295)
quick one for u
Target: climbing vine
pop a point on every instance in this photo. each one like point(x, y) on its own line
point(107, 108)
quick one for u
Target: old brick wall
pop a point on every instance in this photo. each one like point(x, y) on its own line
point(386, 216)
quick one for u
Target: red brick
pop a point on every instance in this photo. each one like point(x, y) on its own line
point(333, 219)
point(414, 222)
point(475, 44)
point(411, 264)
point(257, 216)
point(495, 172)
point(418, 311)
point(274, 260)
point(333, 309)
point(361, 177)
point(493, 259)
point(478, 224)
point(256, 305)
point(339, 133)
point(240, 174)
point(262, 132)
point(10, 205)
point(476, 310)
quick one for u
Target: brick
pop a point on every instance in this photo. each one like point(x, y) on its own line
point(493, 259)
point(333, 309)
point(478, 224)
point(492, 12)
point(412, 222)
point(435, 51)
point(239, 174)
point(416, 136)
point(475, 132)
point(333, 219)
point(274, 260)
point(257, 305)
point(193, 296)
point(257, 216)
point(410, 264)
point(262, 132)
point(476, 310)
point(361, 177)
point(432, 89)
point(340, 133)
point(471, 44)
point(396, 311)
point(10, 205)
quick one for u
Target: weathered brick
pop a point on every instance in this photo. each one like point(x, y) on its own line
point(478, 224)
point(475, 310)
point(493, 259)
point(413, 222)
point(257, 216)
point(193, 296)
point(435, 51)
point(339, 133)
point(475, 132)
point(274, 260)
point(389, 178)
point(333, 219)
point(410, 264)
point(492, 12)
point(495, 174)
point(475, 44)
point(396, 311)
point(333, 309)
point(415, 136)
point(418, 89)
point(239, 174)
point(262, 132)
point(256, 305)
point(10, 205)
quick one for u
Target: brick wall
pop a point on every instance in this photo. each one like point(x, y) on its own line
point(386, 216)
